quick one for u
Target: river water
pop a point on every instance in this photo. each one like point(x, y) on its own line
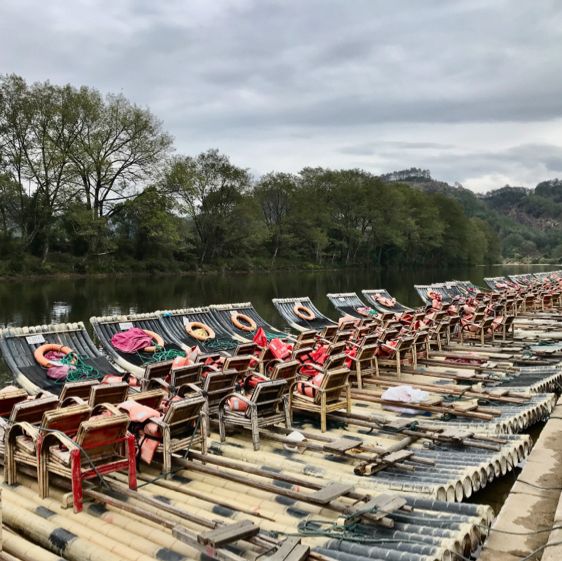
point(42, 301)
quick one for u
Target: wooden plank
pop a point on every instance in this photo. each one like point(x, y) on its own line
point(243, 529)
point(342, 445)
point(377, 508)
point(290, 550)
point(398, 456)
point(332, 491)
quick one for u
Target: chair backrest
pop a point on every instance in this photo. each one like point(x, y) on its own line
point(366, 353)
point(32, 411)
point(240, 363)
point(9, 398)
point(337, 348)
point(267, 397)
point(306, 339)
point(334, 362)
point(217, 385)
point(333, 384)
point(182, 415)
point(150, 398)
point(66, 419)
point(371, 339)
point(102, 438)
point(285, 371)
point(108, 393)
point(329, 332)
point(78, 389)
point(247, 349)
point(158, 370)
point(186, 375)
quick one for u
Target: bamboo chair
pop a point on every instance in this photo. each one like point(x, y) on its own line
point(268, 405)
point(364, 363)
point(157, 370)
point(100, 446)
point(176, 378)
point(22, 437)
point(150, 398)
point(183, 426)
point(240, 363)
point(93, 394)
point(332, 395)
point(287, 371)
point(216, 385)
point(306, 339)
point(29, 411)
point(9, 398)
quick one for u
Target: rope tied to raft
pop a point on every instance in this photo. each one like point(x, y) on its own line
point(220, 345)
point(78, 369)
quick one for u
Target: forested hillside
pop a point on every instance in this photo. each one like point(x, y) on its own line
point(91, 183)
point(527, 221)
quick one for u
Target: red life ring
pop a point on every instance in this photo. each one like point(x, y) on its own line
point(303, 312)
point(40, 352)
point(242, 321)
point(155, 337)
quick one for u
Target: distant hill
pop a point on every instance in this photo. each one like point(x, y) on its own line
point(527, 220)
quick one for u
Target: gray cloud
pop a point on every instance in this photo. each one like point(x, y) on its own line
point(467, 88)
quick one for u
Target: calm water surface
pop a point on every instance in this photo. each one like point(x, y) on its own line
point(33, 302)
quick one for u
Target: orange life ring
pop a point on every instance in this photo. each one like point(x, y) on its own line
point(303, 312)
point(199, 331)
point(242, 321)
point(154, 337)
point(40, 352)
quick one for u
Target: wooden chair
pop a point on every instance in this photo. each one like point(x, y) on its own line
point(176, 378)
point(93, 393)
point(9, 397)
point(71, 391)
point(29, 411)
point(182, 426)
point(150, 398)
point(100, 446)
point(287, 371)
point(22, 437)
point(332, 395)
point(267, 406)
point(364, 363)
point(216, 385)
point(307, 338)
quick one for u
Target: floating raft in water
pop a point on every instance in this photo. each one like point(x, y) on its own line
point(19, 343)
point(174, 323)
point(105, 327)
point(285, 306)
point(223, 313)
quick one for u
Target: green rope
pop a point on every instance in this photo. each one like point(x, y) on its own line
point(220, 344)
point(78, 369)
point(160, 355)
point(274, 335)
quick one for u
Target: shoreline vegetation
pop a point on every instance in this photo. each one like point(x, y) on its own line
point(139, 270)
point(90, 184)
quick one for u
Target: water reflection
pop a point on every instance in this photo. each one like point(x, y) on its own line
point(32, 302)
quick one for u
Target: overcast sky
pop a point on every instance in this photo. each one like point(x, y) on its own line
point(470, 89)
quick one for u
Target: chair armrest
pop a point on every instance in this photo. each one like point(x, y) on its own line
point(110, 407)
point(71, 400)
point(23, 428)
point(238, 396)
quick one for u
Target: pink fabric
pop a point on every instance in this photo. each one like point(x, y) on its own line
point(131, 341)
point(58, 372)
point(54, 355)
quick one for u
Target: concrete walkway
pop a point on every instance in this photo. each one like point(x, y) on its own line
point(534, 502)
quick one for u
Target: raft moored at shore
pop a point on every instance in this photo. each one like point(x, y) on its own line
point(18, 345)
point(106, 327)
point(242, 321)
point(301, 313)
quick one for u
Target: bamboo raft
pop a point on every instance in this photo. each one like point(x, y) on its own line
point(376, 485)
